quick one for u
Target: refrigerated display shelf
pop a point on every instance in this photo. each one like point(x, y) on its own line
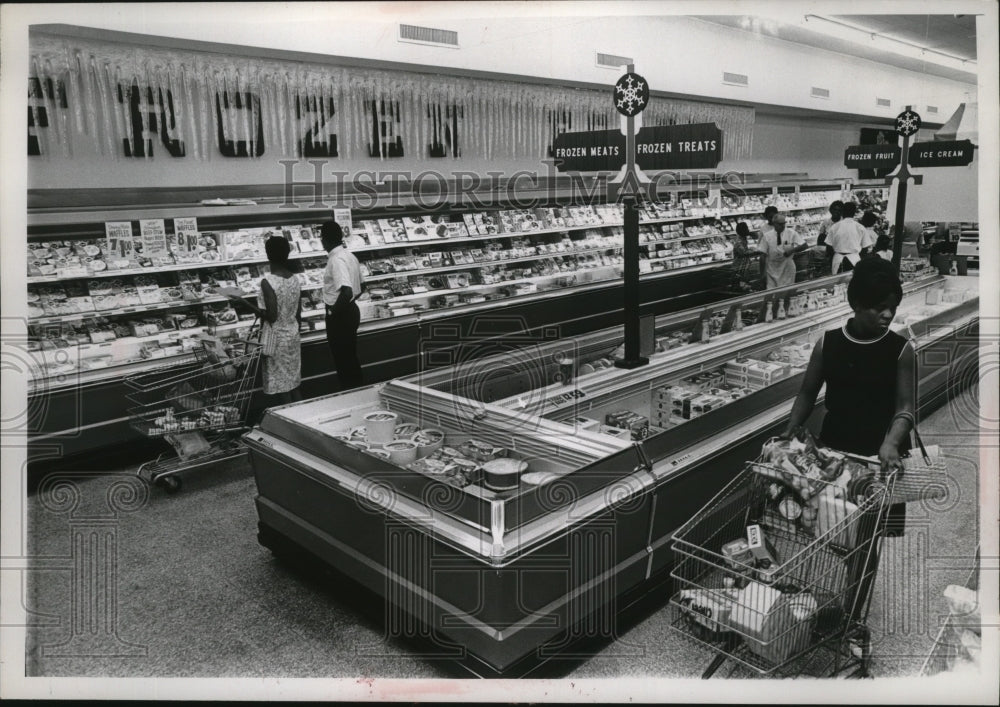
point(520, 562)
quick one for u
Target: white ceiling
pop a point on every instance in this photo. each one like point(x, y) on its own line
point(951, 34)
point(954, 35)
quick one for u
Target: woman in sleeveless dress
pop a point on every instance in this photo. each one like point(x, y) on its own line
point(279, 308)
point(869, 372)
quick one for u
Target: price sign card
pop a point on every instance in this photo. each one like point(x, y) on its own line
point(187, 224)
point(154, 240)
point(120, 242)
point(343, 217)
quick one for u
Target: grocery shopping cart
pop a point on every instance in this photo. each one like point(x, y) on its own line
point(200, 408)
point(775, 573)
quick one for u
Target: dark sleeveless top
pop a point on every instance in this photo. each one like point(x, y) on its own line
point(860, 390)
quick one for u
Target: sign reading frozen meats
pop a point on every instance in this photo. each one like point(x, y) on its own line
point(871, 156)
point(944, 153)
point(697, 146)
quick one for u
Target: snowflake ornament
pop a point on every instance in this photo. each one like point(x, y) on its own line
point(631, 94)
point(907, 123)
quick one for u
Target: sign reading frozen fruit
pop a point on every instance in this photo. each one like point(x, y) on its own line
point(944, 153)
point(871, 156)
point(696, 146)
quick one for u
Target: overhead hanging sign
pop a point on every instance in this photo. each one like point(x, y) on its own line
point(943, 153)
point(871, 156)
point(696, 146)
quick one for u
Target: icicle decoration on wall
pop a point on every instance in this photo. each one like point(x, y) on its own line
point(498, 120)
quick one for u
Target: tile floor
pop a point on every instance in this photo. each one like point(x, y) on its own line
point(197, 596)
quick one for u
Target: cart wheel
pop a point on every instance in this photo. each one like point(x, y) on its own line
point(170, 484)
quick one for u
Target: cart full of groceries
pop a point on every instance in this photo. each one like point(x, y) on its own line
point(775, 573)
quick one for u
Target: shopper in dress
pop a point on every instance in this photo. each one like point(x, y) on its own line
point(847, 238)
point(280, 311)
point(869, 373)
point(779, 246)
point(743, 257)
point(341, 287)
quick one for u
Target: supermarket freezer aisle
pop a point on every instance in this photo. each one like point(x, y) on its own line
point(197, 596)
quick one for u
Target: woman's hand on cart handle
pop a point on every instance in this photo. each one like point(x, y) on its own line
point(888, 456)
point(792, 432)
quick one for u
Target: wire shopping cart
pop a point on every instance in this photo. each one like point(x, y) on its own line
point(775, 573)
point(200, 408)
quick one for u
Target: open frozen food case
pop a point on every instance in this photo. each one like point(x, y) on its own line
point(517, 496)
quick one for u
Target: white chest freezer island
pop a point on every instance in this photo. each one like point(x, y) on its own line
point(510, 508)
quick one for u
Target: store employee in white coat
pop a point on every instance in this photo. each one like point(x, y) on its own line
point(341, 287)
point(779, 246)
point(848, 238)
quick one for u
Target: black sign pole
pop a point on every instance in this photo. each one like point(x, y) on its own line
point(631, 251)
point(903, 175)
point(904, 178)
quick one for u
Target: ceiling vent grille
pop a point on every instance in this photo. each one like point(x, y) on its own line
point(428, 35)
point(883, 102)
point(932, 109)
point(613, 61)
point(820, 92)
point(735, 79)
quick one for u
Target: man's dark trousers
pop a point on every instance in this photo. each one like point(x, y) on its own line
point(342, 336)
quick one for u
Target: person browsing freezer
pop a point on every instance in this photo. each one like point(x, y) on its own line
point(847, 237)
point(280, 311)
point(779, 245)
point(341, 287)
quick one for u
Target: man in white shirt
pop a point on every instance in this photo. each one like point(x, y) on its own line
point(341, 287)
point(779, 246)
point(847, 237)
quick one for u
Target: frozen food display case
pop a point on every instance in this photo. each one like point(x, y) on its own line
point(513, 505)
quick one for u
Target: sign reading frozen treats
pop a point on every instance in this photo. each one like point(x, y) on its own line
point(119, 237)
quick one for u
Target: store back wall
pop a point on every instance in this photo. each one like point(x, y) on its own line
point(781, 145)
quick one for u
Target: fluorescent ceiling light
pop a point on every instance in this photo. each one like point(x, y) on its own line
point(839, 29)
